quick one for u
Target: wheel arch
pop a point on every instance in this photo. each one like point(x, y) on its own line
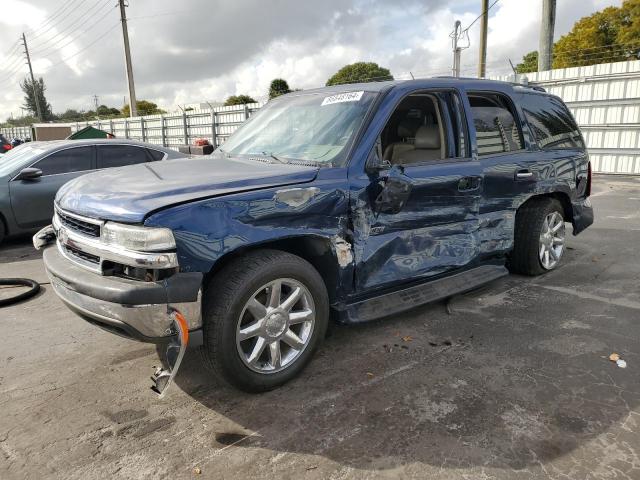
point(562, 197)
point(319, 251)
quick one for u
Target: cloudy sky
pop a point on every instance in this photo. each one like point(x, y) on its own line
point(204, 50)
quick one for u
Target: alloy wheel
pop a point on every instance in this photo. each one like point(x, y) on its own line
point(275, 325)
point(552, 236)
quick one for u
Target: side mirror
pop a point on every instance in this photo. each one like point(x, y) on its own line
point(29, 174)
point(395, 192)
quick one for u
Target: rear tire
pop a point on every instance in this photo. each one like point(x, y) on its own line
point(261, 299)
point(538, 248)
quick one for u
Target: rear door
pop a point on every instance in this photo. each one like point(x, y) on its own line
point(32, 200)
point(510, 165)
point(435, 229)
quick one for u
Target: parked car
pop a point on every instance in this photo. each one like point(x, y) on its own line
point(355, 201)
point(5, 145)
point(32, 173)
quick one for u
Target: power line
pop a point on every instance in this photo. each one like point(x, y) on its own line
point(479, 16)
point(88, 46)
point(75, 24)
point(60, 45)
point(50, 20)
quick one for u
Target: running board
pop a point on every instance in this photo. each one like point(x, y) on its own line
point(396, 302)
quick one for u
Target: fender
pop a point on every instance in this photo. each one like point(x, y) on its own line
point(208, 230)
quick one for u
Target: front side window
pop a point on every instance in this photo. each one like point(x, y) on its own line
point(552, 125)
point(315, 128)
point(121, 155)
point(497, 130)
point(416, 132)
point(66, 161)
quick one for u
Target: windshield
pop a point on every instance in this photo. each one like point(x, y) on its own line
point(17, 157)
point(314, 128)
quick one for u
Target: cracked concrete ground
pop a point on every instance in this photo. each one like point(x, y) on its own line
point(514, 384)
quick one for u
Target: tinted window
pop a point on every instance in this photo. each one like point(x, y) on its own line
point(67, 161)
point(497, 130)
point(156, 154)
point(552, 125)
point(120, 155)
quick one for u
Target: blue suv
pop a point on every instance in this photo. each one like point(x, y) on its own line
point(350, 202)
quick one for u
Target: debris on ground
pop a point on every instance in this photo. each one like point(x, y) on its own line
point(197, 471)
point(407, 338)
point(615, 357)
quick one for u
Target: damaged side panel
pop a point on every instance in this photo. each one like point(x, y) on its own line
point(207, 230)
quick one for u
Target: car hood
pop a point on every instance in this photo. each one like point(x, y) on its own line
point(129, 194)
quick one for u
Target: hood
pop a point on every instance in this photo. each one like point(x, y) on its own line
point(129, 194)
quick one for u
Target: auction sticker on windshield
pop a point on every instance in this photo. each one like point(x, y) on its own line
point(342, 97)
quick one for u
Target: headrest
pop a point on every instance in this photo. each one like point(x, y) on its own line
point(407, 127)
point(428, 137)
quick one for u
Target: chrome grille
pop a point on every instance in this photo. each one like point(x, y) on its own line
point(87, 257)
point(77, 225)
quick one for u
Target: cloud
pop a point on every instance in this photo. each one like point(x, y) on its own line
point(199, 50)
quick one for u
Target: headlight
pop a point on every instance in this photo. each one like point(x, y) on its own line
point(142, 239)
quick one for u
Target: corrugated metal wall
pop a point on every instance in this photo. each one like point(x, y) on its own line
point(605, 100)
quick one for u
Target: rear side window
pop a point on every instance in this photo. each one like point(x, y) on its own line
point(551, 122)
point(156, 154)
point(497, 130)
point(120, 155)
point(66, 161)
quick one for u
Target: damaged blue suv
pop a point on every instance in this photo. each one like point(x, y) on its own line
point(350, 202)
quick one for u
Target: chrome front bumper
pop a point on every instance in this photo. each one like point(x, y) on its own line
point(147, 323)
point(131, 308)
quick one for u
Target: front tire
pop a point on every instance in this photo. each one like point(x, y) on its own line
point(539, 242)
point(264, 315)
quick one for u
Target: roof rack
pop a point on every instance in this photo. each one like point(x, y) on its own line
point(530, 87)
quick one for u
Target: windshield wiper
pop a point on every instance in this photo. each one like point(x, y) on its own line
point(272, 155)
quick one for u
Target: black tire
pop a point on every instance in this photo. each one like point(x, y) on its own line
point(530, 217)
point(222, 303)
point(3, 232)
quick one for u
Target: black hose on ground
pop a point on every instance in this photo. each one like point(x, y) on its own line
point(25, 282)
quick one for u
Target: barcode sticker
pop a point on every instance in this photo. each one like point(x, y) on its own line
point(342, 97)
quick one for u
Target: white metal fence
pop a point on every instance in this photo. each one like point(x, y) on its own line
point(605, 99)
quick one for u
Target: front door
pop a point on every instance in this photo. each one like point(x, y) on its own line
point(32, 200)
point(431, 226)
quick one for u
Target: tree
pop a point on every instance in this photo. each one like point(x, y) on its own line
point(529, 63)
point(105, 111)
point(70, 115)
point(30, 100)
point(238, 100)
point(360, 72)
point(610, 35)
point(278, 87)
point(144, 108)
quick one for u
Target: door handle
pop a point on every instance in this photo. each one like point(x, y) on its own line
point(467, 184)
point(524, 174)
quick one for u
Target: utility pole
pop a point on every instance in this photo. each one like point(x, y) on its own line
point(33, 80)
point(456, 49)
point(547, 24)
point(95, 102)
point(482, 61)
point(133, 110)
